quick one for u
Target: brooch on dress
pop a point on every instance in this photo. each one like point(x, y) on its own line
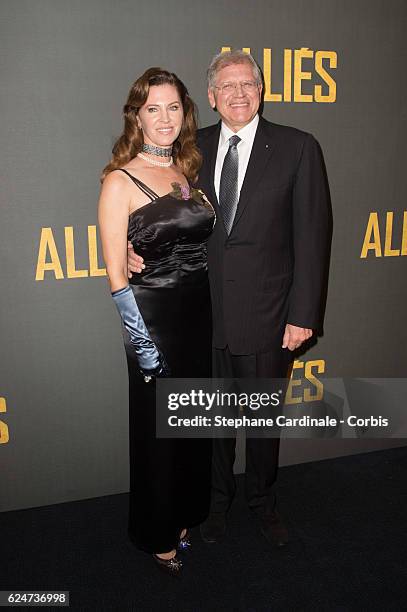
point(185, 192)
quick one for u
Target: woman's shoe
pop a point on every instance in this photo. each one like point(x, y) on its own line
point(170, 566)
point(185, 543)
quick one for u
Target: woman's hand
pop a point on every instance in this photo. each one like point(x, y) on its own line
point(151, 361)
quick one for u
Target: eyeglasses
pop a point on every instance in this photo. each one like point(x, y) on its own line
point(228, 88)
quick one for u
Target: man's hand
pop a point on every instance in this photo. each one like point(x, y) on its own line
point(134, 262)
point(294, 336)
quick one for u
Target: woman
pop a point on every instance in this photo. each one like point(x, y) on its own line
point(146, 198)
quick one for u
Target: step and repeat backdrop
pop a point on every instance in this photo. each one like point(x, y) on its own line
point(335, 69)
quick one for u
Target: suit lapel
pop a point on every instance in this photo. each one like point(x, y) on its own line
point(213, 151)
point(261, 153)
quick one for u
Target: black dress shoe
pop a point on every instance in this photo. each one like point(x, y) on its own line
point(273, 529)
point(169, 566)
point(213, 529)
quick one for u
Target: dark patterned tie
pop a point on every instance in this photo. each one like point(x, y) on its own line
point(228, 191)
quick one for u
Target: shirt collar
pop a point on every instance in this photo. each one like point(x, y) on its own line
point(246, 133)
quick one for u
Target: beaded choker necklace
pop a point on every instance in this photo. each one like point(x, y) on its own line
point(159, 151)
point(153, 162)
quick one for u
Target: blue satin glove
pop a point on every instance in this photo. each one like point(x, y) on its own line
point(150, 359)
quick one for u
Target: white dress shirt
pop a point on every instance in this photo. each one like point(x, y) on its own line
point(244, 148)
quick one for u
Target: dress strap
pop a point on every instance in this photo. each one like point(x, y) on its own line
point(142, 186)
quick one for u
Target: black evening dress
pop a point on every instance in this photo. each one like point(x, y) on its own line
point(169, 478)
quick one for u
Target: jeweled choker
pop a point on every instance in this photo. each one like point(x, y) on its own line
point(159, 151)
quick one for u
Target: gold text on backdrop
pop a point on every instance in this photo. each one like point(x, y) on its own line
point(373, 242)
point(297, 66)
point(308, 388)
point(48, 248)
point(4, 433)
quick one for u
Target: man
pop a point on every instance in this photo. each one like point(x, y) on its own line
point(267, 261)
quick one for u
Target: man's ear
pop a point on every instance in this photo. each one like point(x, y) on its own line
point(211, 98)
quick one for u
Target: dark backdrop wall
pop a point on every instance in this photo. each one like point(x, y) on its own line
point(335, 69)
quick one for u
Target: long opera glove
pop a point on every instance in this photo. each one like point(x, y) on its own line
point(150, 359)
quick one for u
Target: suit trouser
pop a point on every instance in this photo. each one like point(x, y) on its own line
point(261, 453)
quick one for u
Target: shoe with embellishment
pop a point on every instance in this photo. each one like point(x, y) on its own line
point(169, 566)
point(185, 543)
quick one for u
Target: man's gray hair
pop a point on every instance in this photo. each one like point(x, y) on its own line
point(228, 58)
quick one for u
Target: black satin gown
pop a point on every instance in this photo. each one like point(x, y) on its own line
point(170, 479)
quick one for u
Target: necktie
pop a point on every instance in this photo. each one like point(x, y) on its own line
point(228, 191)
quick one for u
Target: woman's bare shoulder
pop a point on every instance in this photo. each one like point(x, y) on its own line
point(115, 180)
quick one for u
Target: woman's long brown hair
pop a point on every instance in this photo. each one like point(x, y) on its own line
point(185, 152)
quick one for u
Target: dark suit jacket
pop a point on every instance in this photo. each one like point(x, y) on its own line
point(271, 268)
